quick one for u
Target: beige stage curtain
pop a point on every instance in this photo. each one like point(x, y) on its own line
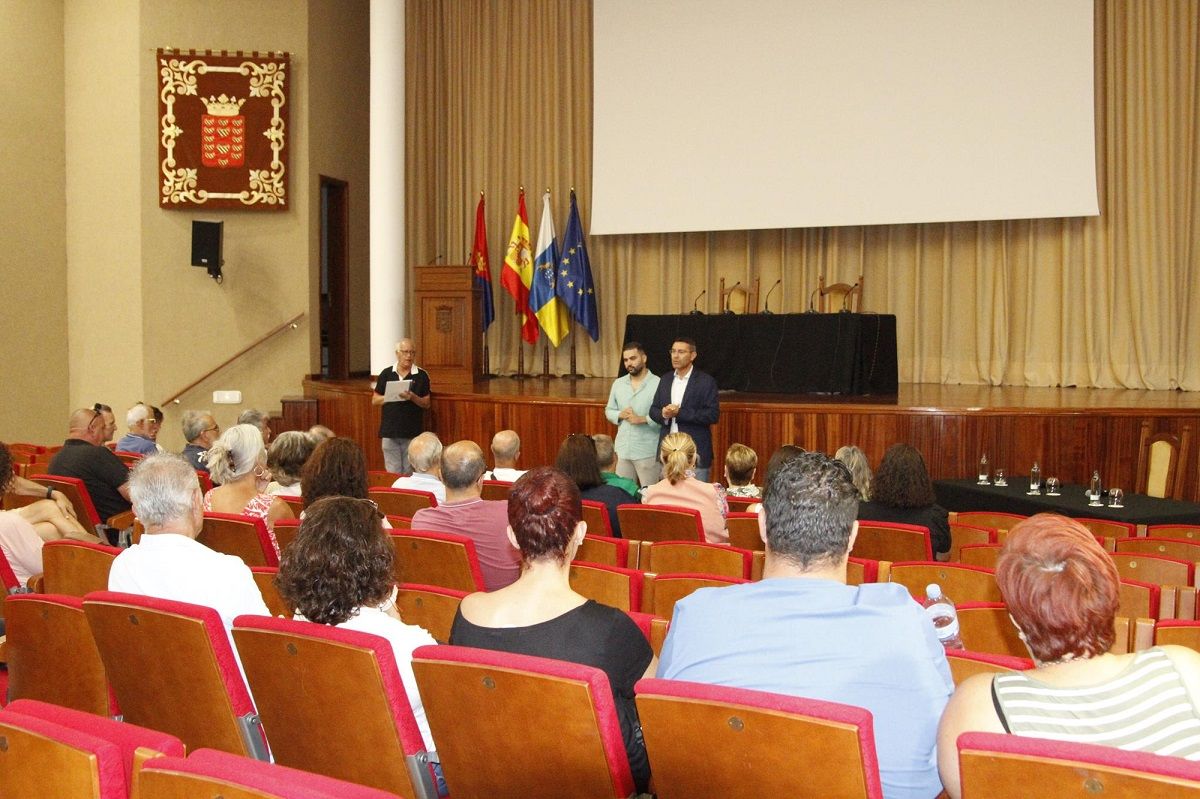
point(499, 96)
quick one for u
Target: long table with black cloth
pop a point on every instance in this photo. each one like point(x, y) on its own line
point(968, 495)
point(852, 354)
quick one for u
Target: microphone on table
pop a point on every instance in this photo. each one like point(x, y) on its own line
point(811, 299)
point(767, 300)
point(729, 296)
point(846, 299)
point(695, 307)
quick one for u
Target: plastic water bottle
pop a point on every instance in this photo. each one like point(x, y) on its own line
point(943, 615)
point(1035, 478)
point(984, 471)
point(1095, 487)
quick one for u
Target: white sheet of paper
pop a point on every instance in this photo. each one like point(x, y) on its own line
point(394, 388)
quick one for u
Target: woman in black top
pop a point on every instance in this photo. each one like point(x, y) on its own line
point(577, 459)
point(540, 615)
point(902, 492)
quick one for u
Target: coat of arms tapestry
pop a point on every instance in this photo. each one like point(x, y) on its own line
point(222, 130)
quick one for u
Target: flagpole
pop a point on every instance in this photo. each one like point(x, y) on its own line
point(487, 361)
point(520, 374)
point(573, 374)
point(546, 373)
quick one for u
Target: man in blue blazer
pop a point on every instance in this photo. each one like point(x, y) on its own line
point(686, 402)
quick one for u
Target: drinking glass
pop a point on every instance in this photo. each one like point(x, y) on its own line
point(1115, 496)
point(1052, 487)
point(1000, 481)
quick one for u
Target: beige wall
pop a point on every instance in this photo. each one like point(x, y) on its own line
point(339, 86)
point(33, 258)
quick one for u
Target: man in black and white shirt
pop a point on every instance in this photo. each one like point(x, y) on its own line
point(403, 419)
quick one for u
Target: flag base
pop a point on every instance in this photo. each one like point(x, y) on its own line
point(573, 376)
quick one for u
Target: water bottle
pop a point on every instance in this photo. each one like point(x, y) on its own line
point(1035, 478)
point(1094, 488)
point(943, 615)
point(984, 472)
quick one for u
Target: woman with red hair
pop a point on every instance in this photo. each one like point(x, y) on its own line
point(541, 615)
point(1062, 592)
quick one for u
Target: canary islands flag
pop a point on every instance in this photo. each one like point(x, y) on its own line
point(551, 313)
point(575, 275)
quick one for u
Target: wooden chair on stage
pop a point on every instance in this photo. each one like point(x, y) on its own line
point(1162, 462)
point(747, 737)
point(1181, 548)
point(840, 296)
point(740, 297)
point(570, 742)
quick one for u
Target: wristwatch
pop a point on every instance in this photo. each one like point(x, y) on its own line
point(49, 492)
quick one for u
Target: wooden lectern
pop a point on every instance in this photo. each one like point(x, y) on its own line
point(448, 310)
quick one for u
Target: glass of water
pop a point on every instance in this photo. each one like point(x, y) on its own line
point(1052, 486)
point(1000, 481)
point(1115, 498)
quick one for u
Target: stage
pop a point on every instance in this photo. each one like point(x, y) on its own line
point(1070, 431)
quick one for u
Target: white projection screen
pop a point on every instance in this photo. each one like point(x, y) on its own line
point(717, 115)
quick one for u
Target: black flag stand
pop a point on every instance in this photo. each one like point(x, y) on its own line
point(573, 374)
point(520, 374)
point(487, 361)
point(546, 361)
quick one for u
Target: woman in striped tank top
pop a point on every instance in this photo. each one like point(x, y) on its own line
point(1062, 592)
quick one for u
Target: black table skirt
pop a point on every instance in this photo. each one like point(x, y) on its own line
point(967, 495)
point(810, 353)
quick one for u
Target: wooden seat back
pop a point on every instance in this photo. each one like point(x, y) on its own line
point(294, 502)
point(662, 591)
point(442, 559)
point(1178, 632)
point(744, 532)
point(985, 555)
point(595, 513)
point(76, 492)
point(986, 627)
point(743, 732)
point(1106, 528)
point(322, 728)
point(861, 570)
point(689, 557)
point(742, 504)
point(286, 531)
point(1157, 569)
point(264, 578)
point(607, 551)
point(146, 644)
point(962, 534)
point(496, 490)
point(1140, 600)
point(401, 501)
point(964, 664)
point(1179, 548)
point(892, 542)
point(989, 519)
point(430, 607)
point(960, 583)
point(475, 698)
point(660, 523)
point(609, 585)
point(52, 656)
point(378, 478)
point(76, 568)
point(243, 536)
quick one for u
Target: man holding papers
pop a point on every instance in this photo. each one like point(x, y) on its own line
point(403, 391)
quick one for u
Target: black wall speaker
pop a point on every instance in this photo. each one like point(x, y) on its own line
point(206, 245)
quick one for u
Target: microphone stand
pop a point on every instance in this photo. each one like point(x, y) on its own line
point(695, 304)
point(767, 299)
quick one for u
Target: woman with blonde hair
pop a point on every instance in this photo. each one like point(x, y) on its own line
point(860, 470)
point(679, 487)
point(238, 461)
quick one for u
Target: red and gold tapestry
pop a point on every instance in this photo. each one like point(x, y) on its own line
point(222, 130)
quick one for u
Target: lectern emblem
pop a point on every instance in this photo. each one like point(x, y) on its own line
point(444, 319)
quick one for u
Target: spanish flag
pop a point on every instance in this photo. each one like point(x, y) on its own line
point(517, 274)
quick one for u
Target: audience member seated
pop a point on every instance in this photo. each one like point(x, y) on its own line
point(680, 487)
point(25, 529)
point(84, 456)
point(425, 457)
point(285, 459)
point(320, 434)
point(465, 512)
point(540, 615)
point(902, 492)
point(606, 459)
point(1062, 592)
point(860, 469)
point(337, 468)
point(260, 420)
point(802, 631)
point(200, 430)
point(140, 438)
point(506, 449)
point(338, 571)
point(155, 427)
point(740, 465)
point(577, 458)
point(238, 461)
point(168, 562)
point(109, 422)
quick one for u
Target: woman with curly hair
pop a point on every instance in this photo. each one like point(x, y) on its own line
point(25, 529)
point(1062, 591)
point(338, 571)
point(903, 493)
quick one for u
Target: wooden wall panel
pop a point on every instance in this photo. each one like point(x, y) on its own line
point(1068, 442)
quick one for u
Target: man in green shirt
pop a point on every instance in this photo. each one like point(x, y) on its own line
point(606, 459)
point(629, 409)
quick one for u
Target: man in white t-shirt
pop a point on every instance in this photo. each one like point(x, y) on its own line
point(506, 449)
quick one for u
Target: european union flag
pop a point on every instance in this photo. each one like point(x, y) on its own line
point(575, 285)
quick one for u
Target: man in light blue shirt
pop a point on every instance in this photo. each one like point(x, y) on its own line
point(802, 631)
point(629, 409)
point(425, 456)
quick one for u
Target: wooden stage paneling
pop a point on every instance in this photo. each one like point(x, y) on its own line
point(1070, 431)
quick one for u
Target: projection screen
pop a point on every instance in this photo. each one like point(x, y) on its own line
point(714, 115)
